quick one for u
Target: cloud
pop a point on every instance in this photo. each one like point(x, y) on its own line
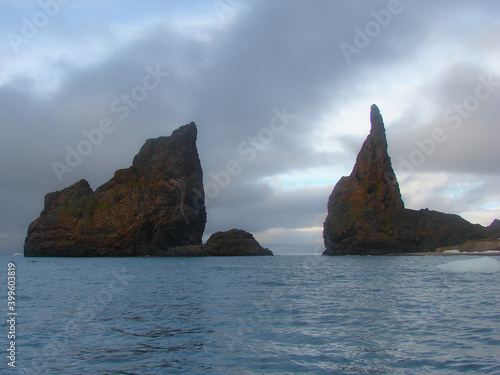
point(465, 101)
point(262, 207)
point(478, 200)
point(230, 74)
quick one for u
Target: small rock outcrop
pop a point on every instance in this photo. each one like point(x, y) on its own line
point(143, 209)
point(235, 242)
point(366, 213)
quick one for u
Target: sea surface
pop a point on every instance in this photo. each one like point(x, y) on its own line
point(252, 315)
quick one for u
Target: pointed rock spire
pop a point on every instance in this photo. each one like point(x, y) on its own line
point(377, 122)
point(373, 183)
point(366, 214)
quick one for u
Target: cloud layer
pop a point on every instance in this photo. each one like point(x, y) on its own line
point(271, 86)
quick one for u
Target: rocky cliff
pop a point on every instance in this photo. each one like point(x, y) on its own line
point(366, 214)
point(143, 209)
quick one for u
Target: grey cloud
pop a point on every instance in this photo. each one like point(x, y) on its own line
point(274, 55)
point(464, 124)
point(300, 208)
point(459, 193)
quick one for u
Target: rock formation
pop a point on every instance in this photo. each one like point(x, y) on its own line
point(235, 242)
point(149, 207)
point(475, 246)
point(366, 214)
point(494, 229)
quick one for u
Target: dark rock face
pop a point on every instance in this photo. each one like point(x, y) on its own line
point(235, 242)
point(475, 246)
point(143, 209)
point(493, 229)
point(366, 214)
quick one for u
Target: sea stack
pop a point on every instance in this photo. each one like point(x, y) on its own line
point(234, 242)
point(366, 213)
point(156, 204)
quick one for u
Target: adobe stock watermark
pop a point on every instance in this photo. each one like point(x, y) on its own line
point(121, 107)
point(454, 117)
point(372, 29)
point(252, 322)
point(270, 305)
point(31, 26)
point(224, 8)
point(249, 149)
point(85, 313)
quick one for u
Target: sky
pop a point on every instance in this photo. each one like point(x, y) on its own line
point(281, 89)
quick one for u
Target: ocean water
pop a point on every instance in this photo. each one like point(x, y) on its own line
point(253, 315)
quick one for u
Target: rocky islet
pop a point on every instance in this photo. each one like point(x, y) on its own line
point(366, 214)
point(156, 208)
point(142, 208)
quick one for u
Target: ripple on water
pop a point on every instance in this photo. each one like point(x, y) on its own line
point(282, 315)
